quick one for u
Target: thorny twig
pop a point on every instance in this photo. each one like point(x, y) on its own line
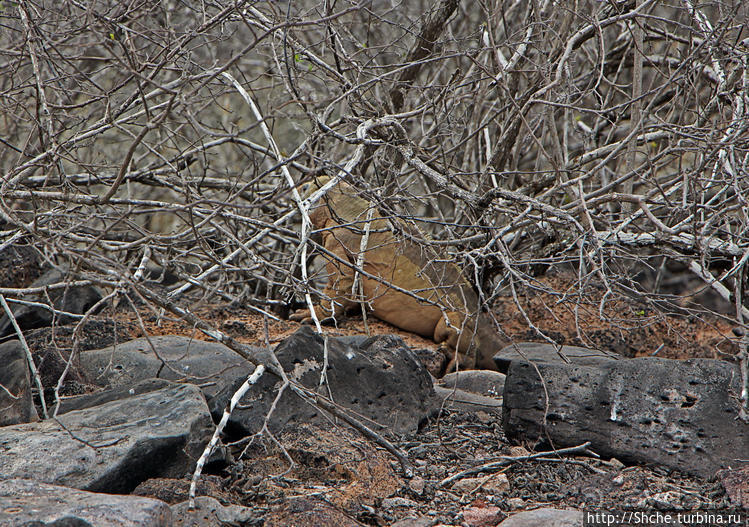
point(505, 461)
point(241, 391)
point(27, 351)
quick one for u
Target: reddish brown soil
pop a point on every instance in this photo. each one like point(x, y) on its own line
point(563, 315)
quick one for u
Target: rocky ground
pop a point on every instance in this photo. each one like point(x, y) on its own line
point(306, 469)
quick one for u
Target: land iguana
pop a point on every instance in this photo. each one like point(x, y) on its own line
point(446, 307)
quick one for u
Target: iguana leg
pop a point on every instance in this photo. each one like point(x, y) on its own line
point(445, 334)
point(452, 345)
point(456, 360)
point(332, 294)
point(338, 289)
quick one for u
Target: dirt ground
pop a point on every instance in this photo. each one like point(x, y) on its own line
point(561, 313)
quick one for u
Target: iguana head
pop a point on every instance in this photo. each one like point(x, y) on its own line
point(308, 188)
point(341, 202)
point(319, 212)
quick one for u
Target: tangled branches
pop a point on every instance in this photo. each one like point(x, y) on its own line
point(607, 137)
